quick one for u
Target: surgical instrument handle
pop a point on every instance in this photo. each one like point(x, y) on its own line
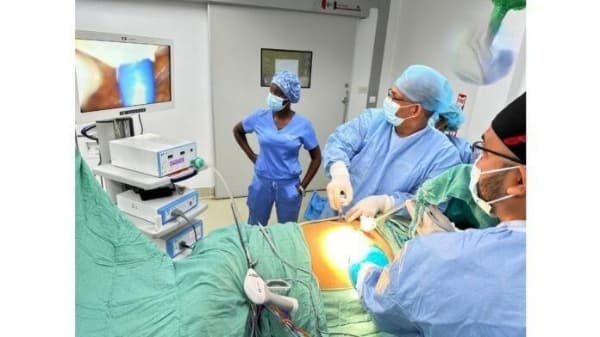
point(286, 303)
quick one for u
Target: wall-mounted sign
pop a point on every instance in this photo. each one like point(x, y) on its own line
point(275, 60)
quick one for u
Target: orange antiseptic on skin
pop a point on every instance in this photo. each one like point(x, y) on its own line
point(333, 244)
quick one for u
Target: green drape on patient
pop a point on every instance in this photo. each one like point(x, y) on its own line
point(126, 286)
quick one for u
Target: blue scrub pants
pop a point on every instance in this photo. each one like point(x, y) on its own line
point(262, 193)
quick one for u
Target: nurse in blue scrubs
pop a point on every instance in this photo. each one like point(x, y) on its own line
point(281, 132)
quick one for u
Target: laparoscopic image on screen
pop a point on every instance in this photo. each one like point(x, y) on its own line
point(121, 74)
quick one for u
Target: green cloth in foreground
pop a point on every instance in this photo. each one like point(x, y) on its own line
point(452, 186)
point(125, 286)
point(346, 316)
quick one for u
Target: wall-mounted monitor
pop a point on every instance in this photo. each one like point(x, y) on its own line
point(120, 74)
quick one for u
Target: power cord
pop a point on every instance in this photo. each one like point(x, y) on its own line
point(180, 214)
point(236, 216)
point(253, 319)
point(85, 129)
point(263, 231)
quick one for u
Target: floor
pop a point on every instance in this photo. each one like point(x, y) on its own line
point(219, 214)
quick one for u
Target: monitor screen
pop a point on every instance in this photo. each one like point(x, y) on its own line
point(130, 72)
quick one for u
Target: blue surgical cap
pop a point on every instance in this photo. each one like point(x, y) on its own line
point(454, 116)
point(288, 83)
point(426, 86)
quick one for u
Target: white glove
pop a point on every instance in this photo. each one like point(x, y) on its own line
point(433, 220)
point(369, 206)
point(340, 182)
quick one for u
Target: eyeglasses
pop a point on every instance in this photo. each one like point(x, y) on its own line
point(390, 94)
point(478, 145)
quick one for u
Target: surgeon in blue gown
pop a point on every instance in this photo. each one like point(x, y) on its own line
point(379, 159)
point(449, 122)
point(281, 132)
point(469, 283)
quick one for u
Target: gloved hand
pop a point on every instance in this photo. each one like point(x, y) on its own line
point(373, 257)
point(433, 219)
point(340, 182)
point(369, 206)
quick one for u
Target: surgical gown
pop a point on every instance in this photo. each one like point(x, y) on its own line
point(381, 162)
point(462, 284)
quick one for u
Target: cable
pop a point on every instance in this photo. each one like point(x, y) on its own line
point(85, 129)
point(141, 124)
point(236, 219)
point(310, 273)
point(254, 310)
point(179, 213)
point(184, 177)
point(253, 321)
point(316, 313)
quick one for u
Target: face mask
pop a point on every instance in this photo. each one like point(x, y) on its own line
point(389, 110)
point(486, 206)
point(275, 103)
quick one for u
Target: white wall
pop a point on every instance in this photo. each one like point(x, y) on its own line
point(427, 32)
point(361, 66)
point(186, 24)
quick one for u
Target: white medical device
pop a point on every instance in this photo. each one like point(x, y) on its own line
point(152, 154)
point(153, 165)
point(258, 292)
point(186, 237)
point(157, 211)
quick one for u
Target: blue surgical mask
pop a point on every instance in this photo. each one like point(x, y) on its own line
point(389, 110)
point(275, 103)
point(486, 206)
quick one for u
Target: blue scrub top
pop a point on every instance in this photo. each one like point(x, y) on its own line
point(469, 283)
point(279, 149)
point(381, 162)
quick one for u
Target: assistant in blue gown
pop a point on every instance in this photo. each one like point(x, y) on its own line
point(463, 284)
point(467, 283)
point(381, 162)
point(448, 122)
point(389, 152)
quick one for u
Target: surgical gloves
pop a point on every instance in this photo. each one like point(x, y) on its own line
point(374, 257)
point(339, 184)
point(370, 206)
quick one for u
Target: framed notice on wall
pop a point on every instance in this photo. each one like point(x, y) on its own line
point(274, 60)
